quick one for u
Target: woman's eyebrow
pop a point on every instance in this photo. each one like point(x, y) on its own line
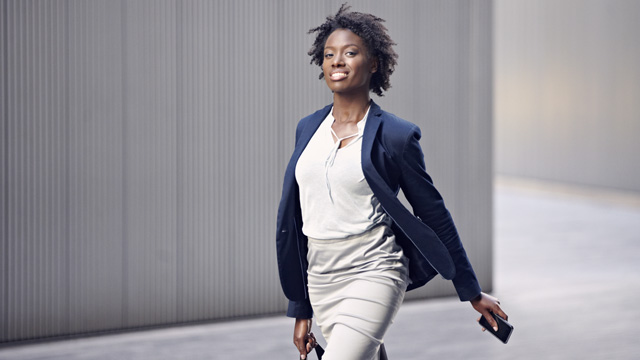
point(331, 47)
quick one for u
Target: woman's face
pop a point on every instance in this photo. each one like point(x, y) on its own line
point(347, 66)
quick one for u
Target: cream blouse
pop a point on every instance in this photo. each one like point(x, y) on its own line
point(335, 199)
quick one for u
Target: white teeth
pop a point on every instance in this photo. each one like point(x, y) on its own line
point(338, 76)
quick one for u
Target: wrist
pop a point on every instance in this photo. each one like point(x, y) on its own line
point(476, 299)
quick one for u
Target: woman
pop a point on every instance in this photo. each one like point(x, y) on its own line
point(347, 248)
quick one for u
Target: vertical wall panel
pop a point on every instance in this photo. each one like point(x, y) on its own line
point(150, 162)
point(95, 150)
point(4, 174)
point(144, 144)
point(35, 182)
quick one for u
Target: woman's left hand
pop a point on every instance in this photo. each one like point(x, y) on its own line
point(303, 338)
point(487, 304)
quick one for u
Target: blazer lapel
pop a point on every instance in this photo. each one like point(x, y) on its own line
point(380, 188)
point(370, 130)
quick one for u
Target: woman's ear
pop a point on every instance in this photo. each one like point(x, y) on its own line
point(374, 65)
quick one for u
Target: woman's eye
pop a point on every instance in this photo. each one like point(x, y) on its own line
point(328, 55)
point(351, 53)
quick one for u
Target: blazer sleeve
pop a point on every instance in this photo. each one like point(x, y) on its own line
point(300, 309)
point(429, 207)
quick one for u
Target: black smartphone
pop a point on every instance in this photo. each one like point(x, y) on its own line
point(504, 328)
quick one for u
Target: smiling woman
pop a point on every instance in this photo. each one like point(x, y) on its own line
point(348, 250)
point(347, 66)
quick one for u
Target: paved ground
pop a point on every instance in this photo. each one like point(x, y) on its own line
point(567, 269)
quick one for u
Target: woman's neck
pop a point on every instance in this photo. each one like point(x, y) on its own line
point(350, 108)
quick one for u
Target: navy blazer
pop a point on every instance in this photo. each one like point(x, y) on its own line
point(391, 160)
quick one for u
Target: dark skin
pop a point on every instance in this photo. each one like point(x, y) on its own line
point(347, 69)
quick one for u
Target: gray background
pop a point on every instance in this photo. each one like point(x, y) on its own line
point(144, 142)
point(567, 91)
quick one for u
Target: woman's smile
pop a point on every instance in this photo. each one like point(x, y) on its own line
point(338, 75)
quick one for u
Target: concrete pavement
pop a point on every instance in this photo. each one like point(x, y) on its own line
point(567, 269)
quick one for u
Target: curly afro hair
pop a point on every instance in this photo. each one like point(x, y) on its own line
point(373, 33)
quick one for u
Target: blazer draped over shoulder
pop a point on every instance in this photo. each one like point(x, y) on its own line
point(392, 159)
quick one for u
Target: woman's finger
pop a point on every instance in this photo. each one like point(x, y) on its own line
point(308, 345)
point(502, 314)
point(303, 352)
point(498, 310)
point(482, 327)
point(491, 320)
point(312, 341)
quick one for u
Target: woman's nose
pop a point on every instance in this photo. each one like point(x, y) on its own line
point(337, 61)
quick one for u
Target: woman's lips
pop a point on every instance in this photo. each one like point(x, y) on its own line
point(338, 75)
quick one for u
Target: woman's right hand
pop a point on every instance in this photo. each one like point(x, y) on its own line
point(303, 338)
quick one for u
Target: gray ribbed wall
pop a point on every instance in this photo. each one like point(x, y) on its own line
point(144, 143)
point(567, 93)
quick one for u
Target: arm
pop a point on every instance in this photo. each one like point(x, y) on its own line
point(429, 207)
point(302, 308)
point(303, 338)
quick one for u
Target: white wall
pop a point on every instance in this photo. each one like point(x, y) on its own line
point(567, 91)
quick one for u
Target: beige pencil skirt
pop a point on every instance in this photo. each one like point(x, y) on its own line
point(356, 286)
